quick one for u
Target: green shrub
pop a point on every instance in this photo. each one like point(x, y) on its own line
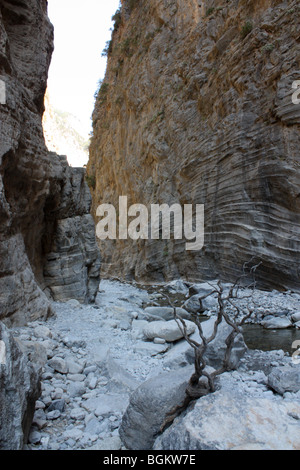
point(210, 11)
point(128, 46)
point(125, 46)
point(117, 18)
point(104, 89)
point(91, 181)
point(101, 92)
point(108, 49)
point(268, 48)
point(132, 4)
point(246, 29)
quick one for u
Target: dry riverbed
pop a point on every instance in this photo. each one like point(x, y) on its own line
point(95, 356)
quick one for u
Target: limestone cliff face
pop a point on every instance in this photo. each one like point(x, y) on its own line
point(196, 108)
point(40, 195)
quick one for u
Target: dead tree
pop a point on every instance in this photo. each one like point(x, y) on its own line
point(202, 382)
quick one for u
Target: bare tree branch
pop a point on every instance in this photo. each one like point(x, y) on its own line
point(234, 315)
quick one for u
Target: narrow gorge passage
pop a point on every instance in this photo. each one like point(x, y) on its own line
point(149, 270)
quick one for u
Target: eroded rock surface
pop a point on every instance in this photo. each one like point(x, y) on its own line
point(196, 107)
point(19, 390)
point(47, 242)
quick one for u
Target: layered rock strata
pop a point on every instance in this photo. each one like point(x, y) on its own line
point(47, 242)
point(197, 108)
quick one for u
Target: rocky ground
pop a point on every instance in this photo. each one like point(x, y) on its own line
point(95, 356)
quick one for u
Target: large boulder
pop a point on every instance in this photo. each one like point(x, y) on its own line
point(148, 407)
point(228, 420)
point(165, 313)
point(193, 304)
point(167, 330)
point(209, 292)
point(285, 379)
point(19, 390)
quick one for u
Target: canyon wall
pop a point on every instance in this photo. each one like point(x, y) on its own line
point(196, 108)
point(44, 204)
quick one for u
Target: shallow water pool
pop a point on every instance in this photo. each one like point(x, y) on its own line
point(257, 337)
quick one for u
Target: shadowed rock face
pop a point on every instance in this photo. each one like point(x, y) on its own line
point(20, 388)
point(40, 195)
point(196, 108)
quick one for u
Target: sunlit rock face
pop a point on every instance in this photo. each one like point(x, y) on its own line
point(37, 189)
point(64, 134)
point(196, 108)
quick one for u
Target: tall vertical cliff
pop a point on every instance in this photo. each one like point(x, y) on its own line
point(196, 108)
point(47, 241)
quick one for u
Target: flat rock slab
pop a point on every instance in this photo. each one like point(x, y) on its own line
point(276, 323)
point(150, 348)
point(166, 313)
point(106, 404)
point(109, 443)
point(168, 330)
